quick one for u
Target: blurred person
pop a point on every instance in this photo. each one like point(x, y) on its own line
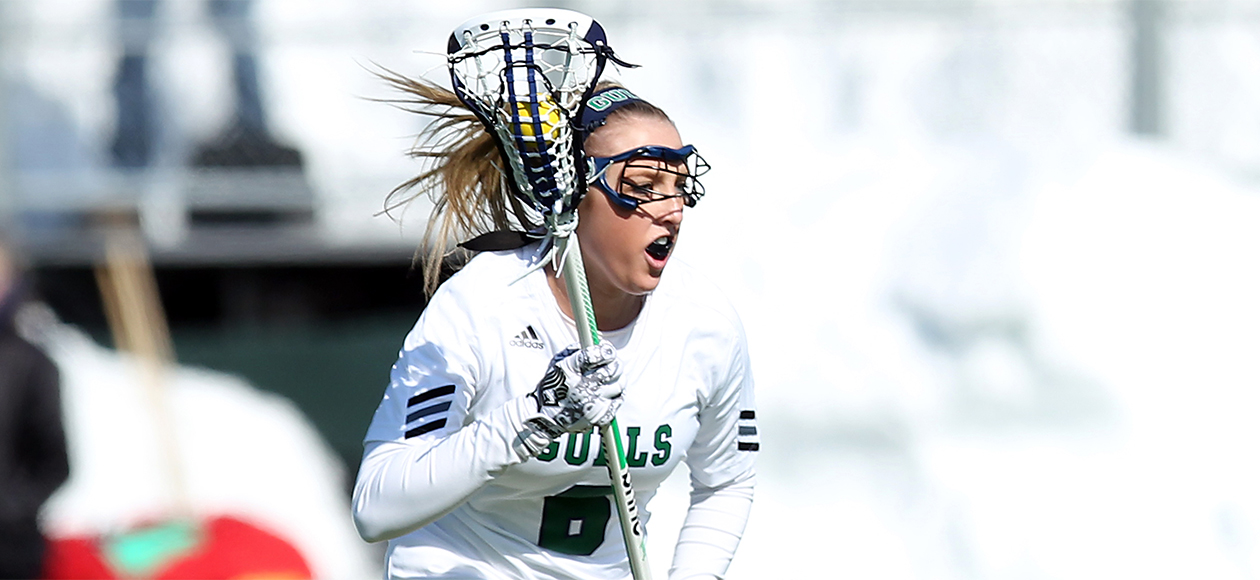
point(477, 463)
point(245, 142)
point(33, 461)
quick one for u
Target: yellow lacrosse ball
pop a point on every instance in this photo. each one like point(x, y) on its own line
point(549, 115)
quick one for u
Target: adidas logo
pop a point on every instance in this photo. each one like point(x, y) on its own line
point(528, 339)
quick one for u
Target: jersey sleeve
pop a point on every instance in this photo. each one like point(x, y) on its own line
point(423, 454)
point(432, 382)
point(721, 462)
point(727, 441)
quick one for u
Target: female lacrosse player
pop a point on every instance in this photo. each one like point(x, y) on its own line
point(481, 461)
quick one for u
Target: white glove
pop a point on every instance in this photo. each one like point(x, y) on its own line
point(579, 390)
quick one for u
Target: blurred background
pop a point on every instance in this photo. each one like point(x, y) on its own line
point(998, 261)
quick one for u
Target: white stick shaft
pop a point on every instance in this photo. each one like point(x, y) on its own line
point(623, 491)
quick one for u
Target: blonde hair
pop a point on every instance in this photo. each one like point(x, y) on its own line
point(464, 179)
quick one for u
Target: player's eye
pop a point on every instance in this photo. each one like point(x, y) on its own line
point(643, 188)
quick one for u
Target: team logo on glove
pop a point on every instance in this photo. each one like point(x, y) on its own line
point(552, 390)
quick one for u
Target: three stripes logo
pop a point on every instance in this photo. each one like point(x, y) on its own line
point(527, 338)
point(428, 410)
point(747, 439)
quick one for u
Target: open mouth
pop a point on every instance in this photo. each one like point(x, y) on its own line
point(660, 247)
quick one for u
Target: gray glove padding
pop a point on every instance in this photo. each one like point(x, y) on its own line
point(579, 390)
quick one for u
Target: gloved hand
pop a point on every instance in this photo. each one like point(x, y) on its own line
point(579, 390)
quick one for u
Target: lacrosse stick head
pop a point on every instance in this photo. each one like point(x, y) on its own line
point(526, 75)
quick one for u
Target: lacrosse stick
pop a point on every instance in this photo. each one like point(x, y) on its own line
point(526, 74)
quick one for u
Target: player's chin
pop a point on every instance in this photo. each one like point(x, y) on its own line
point(642, 282)
point(650, 280)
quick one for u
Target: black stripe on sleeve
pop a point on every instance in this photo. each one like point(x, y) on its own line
point(742, 430)
point(431, 394)
point(742, 446)
point(421, 430)
point(431, 409)
point(747, 414)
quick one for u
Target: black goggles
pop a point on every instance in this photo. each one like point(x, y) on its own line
point(684, 163)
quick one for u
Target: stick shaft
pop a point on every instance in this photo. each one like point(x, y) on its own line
point(134, 310)
point(623, 491)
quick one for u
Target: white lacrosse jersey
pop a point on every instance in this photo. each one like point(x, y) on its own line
point(483, 342)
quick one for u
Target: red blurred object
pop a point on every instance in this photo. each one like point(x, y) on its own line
point(75, 558)
point(220, 548)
